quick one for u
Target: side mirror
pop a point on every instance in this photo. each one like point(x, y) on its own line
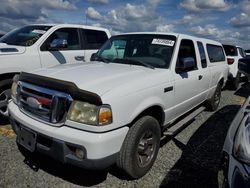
point(93, 57)
point(58, 44)
point(186, 64)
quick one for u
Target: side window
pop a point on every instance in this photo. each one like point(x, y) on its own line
point(186, 51)
point(69, 34)
point(202, 55)
point(215, 53)
point(93, 39)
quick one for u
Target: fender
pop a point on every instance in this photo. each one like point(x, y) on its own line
point(145, 104)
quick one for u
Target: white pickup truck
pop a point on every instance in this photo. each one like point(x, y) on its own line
point(115, 110)
point(35, 46)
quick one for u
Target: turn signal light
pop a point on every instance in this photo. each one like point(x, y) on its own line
point(105, 116)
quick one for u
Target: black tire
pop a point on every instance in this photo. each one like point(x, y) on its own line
point(5, 86)
point(236, 82)
point(133, 152)
point(214, 102)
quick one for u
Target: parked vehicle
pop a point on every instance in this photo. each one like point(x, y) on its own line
point(234, 53)
point(39, 46)
point(247, 52)
point(244, 67)
point(235, 166)
point(116, 109)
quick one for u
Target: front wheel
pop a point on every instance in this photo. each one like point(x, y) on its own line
point(140, 147)
point(214, 102)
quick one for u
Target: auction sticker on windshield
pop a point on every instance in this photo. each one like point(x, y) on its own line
point(164, 42)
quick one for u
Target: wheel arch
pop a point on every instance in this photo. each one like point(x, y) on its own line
point(155, 111)
point(221, 81)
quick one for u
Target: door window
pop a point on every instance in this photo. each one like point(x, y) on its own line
point(186, 51)
point(69, 34)
point(93, 39)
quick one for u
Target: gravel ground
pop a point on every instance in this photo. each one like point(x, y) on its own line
point(190, 159)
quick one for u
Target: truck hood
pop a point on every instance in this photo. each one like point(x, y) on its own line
point(6, 49)
point(101, 78)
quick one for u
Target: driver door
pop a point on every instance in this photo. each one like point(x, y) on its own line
point(73, 53)
point(188, 83)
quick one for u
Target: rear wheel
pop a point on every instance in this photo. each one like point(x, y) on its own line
point(5, 96)
point(140, 147)
point(236, 82)
point(214, 102)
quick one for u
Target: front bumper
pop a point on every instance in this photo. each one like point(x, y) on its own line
point(60, 143)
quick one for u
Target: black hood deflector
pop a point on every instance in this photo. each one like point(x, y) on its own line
point(63, 86)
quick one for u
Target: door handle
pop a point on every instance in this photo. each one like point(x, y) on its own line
point(200, 77)
point(79, 58)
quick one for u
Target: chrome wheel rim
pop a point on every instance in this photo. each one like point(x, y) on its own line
point(4, 100)
point(146, 149)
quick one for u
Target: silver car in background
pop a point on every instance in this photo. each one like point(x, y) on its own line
point(235, 167)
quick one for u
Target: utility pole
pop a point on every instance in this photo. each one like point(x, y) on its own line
point(86, 18)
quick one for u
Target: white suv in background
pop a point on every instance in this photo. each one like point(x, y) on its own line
point(38, 46)
point(234, 53)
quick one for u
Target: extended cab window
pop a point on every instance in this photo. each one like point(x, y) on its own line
point(186, 53)
point(93, 39)
point(69, 34)
point(215, 53)
point(202, 55)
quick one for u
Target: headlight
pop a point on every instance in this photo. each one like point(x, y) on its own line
point(86, 113)
point(242, 141)
point(14, 87)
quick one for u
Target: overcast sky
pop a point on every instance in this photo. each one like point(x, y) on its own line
point(225, 21)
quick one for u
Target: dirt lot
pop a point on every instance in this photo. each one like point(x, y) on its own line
point(190, 159)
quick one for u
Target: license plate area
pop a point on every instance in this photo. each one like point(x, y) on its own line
point(27, 139)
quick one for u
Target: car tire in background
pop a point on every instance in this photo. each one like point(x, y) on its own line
point(5, 95)
point(235, 82)
point(214, 102)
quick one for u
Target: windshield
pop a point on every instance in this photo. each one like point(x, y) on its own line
point(24, 36)
point(152, 51)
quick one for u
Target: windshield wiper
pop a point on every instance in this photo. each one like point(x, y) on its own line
point(102, 59)
point(137, 62)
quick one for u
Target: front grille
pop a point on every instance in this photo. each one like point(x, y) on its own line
point(42, 103)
